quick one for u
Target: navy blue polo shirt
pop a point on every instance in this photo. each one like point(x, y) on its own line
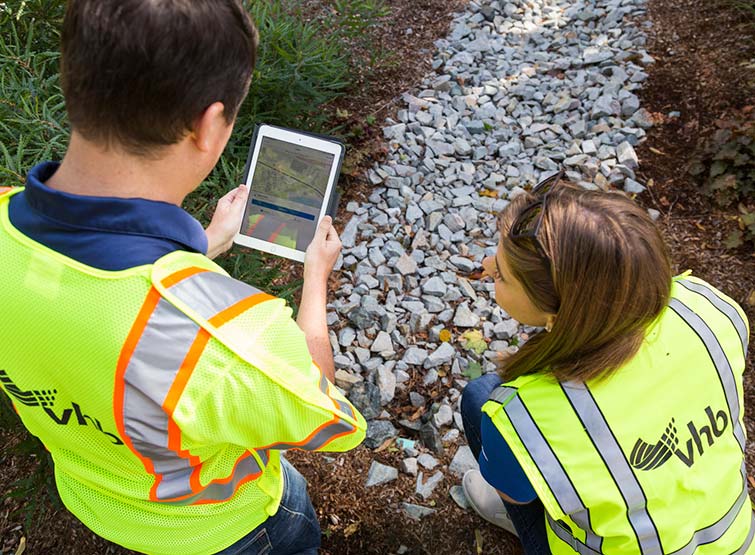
point(103, 232)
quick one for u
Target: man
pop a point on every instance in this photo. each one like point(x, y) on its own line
point(164, 389)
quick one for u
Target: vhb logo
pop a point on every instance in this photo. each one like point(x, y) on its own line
point(649, 457)
point(45, 399)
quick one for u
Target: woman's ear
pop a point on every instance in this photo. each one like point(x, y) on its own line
point(549, 321)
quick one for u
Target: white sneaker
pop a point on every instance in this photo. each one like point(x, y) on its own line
point(485, 501)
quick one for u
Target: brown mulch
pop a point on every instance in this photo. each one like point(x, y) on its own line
point(699, 46)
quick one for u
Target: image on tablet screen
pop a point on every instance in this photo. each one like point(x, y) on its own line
point(286, 193)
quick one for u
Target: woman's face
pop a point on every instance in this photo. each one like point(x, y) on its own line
point(509, 292)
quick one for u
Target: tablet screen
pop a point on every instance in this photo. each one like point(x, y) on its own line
point(286, 193)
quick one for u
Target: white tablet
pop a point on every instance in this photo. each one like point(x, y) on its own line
point(292, 179)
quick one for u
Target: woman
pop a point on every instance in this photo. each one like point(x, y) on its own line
point(618, 428)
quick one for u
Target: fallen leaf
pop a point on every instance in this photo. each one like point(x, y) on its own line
point(350, 529)
point(751, 298)
point(478, 541)
point(476, 275)
point(489, 193)
point(474, 341)
point(656, 151)
point(473, 371)
point(383, 446)
point(21, 546)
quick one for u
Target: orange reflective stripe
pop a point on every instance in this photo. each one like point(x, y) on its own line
point(240, 307)
point(181, 275)
point(177, 388)
point(140, 324)
point(4, 190)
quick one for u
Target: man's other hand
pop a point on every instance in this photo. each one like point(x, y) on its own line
point(226, 221)
point(322, 252)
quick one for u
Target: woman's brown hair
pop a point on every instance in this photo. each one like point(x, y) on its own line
point(607, 279)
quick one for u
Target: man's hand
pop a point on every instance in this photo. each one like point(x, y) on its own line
point(319, 260)
point(226, 221)
point(322, 252)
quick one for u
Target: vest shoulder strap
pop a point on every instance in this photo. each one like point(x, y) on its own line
point(7, 192)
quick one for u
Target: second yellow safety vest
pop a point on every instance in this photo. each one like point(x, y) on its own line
point(649, 461)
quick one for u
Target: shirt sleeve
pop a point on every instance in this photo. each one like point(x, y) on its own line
point(499, 466)
point(256, 385)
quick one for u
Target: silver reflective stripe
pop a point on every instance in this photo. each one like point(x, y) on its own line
point(566, 536)
point(502, 394)
point(716, 530)
point(748, 540)
point(618, 466)
point(246, 468)
point(550, 467)
point(210, 293)
point(717, 355)
point(149, 376)
point(731, 313)
point(322, 437)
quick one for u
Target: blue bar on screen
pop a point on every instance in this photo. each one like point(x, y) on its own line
point(283, 209)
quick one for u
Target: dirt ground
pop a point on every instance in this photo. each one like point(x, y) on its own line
point(699, 47)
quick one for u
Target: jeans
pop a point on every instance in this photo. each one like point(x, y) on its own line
point(529, 518)
point(293, 530)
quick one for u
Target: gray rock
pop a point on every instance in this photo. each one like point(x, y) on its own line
point(349, 234)
point(409, 466)
point(430, 438)
point(463, 264)
point(346, 336)
point(465, 318)
point(427, 461)
point(463, 460)
point(416, 399)
point(406, 265)
point(386, 381)
point(365, 397)
point(416, 512)
point(443, 417)
point(346, 380)
point(380, 474)
point(426, 488)
point(605, 105)
point(633, 187)
point(459, 497)
point(627, 156)
point(382, 343)
point(442, 355)
point(435, 286)
point(415, 356)
point(377, 432)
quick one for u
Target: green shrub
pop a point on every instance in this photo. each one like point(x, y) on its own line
point(726, 165)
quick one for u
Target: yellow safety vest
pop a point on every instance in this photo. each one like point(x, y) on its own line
point(651, 460)
point(164, 393)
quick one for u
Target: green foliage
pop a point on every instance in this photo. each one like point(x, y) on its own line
point(32, 111)
point(726, 165)
point(354, 17)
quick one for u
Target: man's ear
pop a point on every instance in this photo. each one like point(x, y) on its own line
point(211, 129)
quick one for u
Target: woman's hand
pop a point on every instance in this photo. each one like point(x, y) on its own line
point(226, 221)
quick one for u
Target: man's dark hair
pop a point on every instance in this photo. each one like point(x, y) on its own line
point(138, 73)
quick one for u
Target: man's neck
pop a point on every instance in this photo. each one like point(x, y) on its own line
point(87, 169)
